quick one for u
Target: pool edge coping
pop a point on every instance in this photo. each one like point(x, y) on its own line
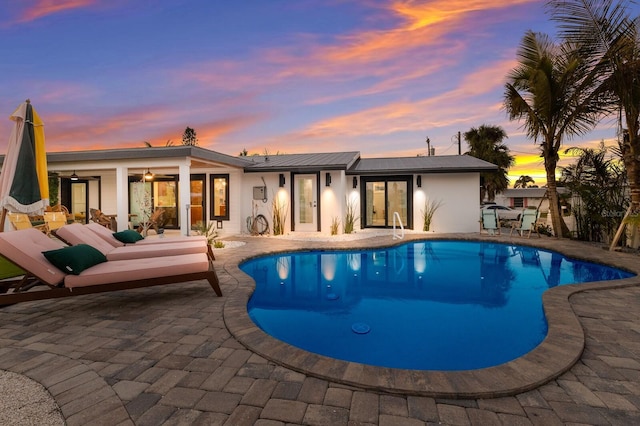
point(558, 352)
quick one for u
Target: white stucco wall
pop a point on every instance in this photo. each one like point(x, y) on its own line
point(458, 193)
point(332, 200)
point(248, 204)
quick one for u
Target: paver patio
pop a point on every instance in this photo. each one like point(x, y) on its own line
point(164, 355)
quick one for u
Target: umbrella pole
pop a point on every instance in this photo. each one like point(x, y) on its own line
point(2, 219)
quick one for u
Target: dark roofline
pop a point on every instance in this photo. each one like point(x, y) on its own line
point(147, 152)
point(261, 163)
point(439, 164)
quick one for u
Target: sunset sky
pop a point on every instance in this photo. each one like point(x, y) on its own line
point(288, 76)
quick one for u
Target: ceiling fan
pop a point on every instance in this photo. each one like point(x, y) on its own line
point(73, 176)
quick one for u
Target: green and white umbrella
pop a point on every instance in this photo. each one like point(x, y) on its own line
point(24, 185)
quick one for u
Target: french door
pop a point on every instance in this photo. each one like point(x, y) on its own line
point(306, 203)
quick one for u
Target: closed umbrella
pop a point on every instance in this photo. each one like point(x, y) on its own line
point(24, 185)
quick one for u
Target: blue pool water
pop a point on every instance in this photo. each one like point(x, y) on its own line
point(437, 305)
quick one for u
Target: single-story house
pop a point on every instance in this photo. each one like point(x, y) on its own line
point(194, 185)
point(519, 198)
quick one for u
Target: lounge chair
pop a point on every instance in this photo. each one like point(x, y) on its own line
point(110, 237)
point(60, 208)
point(21, 221)
point(156, 222)
point(528, 223)
point(25, 248)
point(76, 233)
point(54, 220)
point(489, 221)
point(100, 218)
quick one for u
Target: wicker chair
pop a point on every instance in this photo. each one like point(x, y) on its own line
point(100, 218)
point(156, 222)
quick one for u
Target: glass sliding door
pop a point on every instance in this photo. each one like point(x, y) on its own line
point(166, 198)
point(147, 196)
point(376, 204)
point(383, 197)
point(397, 201)
point(140, 207)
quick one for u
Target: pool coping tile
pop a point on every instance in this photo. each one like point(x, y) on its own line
point(558, 352)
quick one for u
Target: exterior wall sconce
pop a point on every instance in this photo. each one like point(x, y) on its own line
point(419, 181)
point(355, 182)
point(327, 179)
point(281, 180)
point(74, 176)
point(148, 175)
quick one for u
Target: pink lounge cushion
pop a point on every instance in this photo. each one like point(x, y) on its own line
point(104, 233)
point(138, 269)
point(25, 247)
point(76, 233)
point(74, 259)
point(107, 236)
point(154, 250)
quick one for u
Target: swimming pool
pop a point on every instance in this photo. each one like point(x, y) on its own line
point(436, 305)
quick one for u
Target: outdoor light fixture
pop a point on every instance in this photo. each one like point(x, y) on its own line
point(328, 179)
point(74, 176)
point(281, 180)
point(148, 175)
point(419, 181)
point(355, 182)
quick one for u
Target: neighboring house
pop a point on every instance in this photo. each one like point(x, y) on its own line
point(193, 184)
point(518, 198)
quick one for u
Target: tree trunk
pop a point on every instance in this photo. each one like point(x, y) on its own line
point(560, 228)
point(631, 158)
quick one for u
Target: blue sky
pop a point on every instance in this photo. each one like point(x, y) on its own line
point(375, 76)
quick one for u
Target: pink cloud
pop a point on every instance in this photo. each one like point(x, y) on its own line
point(43, 8)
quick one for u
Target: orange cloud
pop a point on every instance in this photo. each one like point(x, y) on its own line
point(440, 111)
point(44, 8)
point(420, 23)
point(419, 29)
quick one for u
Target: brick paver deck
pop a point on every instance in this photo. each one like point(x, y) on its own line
point(164, 355)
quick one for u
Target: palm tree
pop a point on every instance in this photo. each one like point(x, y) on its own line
point(598, 184)
point(486, 144)
point(169, 142)
point(523, 181)
point(552, 91)
point(611, 39)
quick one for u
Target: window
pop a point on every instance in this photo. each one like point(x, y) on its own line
point(197, 200)
point(518, 202)
point(220, 197)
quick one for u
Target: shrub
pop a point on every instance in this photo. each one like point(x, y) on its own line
point(430, 208)
point(335, 224)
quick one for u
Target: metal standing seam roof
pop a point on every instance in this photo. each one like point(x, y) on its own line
point(302, 162)
point(150, 152)
point(431, 164)
point(349, 161)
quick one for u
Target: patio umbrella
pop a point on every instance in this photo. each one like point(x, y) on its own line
point(24, 185)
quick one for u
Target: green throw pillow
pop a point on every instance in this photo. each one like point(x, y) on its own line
point(75, 259)
point(128, 236)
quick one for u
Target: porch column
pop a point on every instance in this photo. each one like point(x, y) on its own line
point(184, 198)
point(122, 197)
